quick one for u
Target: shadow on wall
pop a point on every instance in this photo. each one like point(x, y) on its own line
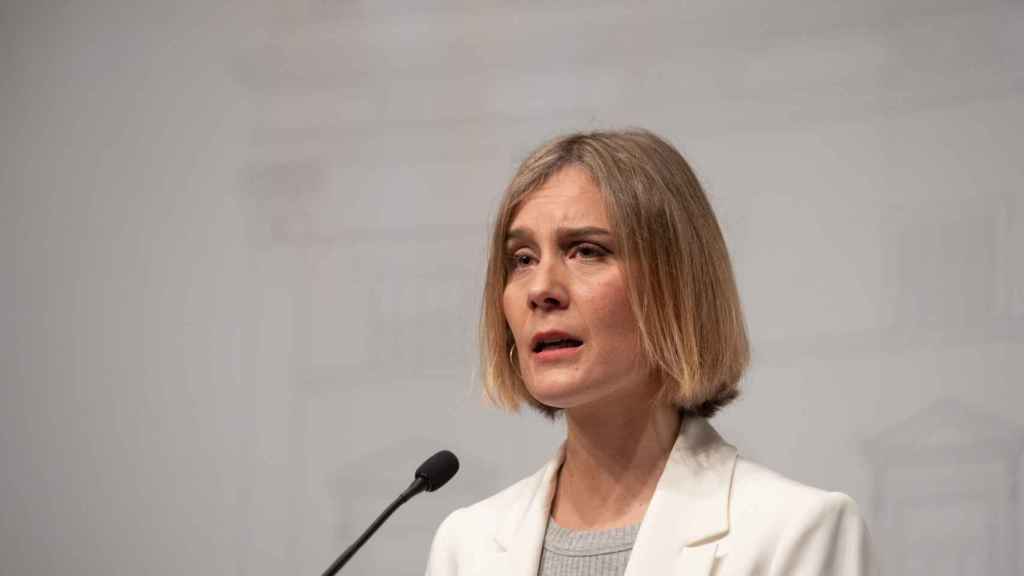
point(946, 492)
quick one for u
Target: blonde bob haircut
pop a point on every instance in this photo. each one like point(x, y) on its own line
point(679, 280)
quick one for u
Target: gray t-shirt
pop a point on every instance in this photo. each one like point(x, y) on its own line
point(575, 553)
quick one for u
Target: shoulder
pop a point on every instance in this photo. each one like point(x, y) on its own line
point(793, 528)
point(467, 535)
point(759, 490)
point(483, 516)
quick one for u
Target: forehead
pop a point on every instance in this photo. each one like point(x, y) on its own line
point(570, 197)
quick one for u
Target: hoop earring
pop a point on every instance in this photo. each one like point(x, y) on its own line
point(512, 351)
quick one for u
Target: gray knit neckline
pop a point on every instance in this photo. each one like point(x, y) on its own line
point(570, 542)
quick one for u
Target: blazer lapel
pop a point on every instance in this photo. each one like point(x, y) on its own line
point(679, 532)
point(690, 508)
point(520, 533)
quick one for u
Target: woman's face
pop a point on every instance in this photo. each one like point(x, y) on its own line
point(565, 299)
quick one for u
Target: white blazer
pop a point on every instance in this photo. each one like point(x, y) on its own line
point(712, 513)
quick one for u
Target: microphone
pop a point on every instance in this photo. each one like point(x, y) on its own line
point(435, 472)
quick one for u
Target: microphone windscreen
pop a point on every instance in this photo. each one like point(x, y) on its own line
point(438, 469)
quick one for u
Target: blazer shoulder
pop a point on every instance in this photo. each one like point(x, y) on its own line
point(797, 528)
point(465, 536)
point(482, 516)
point(459, 540)
point(490, 510)
point(753, 484)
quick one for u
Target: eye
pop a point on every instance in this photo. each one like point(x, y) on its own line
point(520, 259)
point(588, 251)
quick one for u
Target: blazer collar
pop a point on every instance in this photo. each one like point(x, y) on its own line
point(690, 507)
point(520, 533)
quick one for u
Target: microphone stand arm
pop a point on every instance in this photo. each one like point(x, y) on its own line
point(418, 485)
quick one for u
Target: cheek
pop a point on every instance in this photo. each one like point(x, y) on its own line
point(612, 305)
point(510, 311)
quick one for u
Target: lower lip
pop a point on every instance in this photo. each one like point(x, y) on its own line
point(556, 354)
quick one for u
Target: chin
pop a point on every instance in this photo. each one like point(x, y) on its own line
point(568, 393)
point(563, 396)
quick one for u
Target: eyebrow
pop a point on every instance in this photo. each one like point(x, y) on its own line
point(560, 232)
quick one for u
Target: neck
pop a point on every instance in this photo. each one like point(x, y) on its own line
point(613, 460)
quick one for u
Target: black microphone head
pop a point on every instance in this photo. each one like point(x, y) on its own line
point(438, 469)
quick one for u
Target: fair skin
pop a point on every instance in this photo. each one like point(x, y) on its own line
point(578, 349)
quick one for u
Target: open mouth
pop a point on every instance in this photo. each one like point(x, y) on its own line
point(555, 344)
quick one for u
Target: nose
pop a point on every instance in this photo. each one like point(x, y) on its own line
point(548, 290)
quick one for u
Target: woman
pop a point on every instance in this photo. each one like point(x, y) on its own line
point(610, 299)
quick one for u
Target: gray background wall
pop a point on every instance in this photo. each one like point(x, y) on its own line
point(242, 249)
